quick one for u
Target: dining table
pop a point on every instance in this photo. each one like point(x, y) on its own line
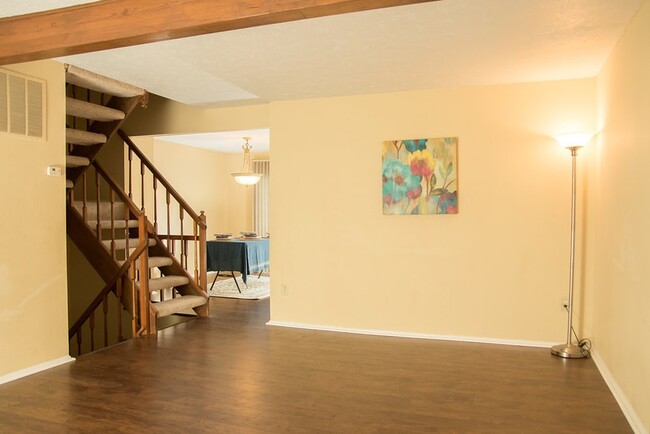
point(246, 255)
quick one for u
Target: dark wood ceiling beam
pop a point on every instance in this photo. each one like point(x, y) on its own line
point(118, 23)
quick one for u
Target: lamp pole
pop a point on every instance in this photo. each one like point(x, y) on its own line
point(569, 350)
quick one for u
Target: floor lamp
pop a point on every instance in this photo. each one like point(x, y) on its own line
point(572, 142)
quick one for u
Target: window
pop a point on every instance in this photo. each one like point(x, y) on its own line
point(261, 201)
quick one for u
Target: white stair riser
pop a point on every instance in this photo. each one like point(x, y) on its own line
point(178, 304)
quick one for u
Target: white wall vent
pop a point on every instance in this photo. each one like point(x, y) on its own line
point(22, 105)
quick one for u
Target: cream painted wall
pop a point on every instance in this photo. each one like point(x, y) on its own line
point(33, 282)
point(164, 116)
point(197, 174)
point(498, 269)
point(622, 212)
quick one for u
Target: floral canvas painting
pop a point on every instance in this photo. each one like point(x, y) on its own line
point(420, 176)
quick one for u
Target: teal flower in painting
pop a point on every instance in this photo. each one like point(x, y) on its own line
point(415, 145)
point(397, 181)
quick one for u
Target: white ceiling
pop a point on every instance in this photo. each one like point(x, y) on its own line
point(226, 141)
point(439, 44)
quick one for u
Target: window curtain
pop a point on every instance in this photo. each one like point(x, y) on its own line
point(261, 197)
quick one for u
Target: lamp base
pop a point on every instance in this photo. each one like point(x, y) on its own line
point(567, 351)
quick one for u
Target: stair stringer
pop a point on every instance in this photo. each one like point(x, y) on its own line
point(126, 105)
point(95, 252)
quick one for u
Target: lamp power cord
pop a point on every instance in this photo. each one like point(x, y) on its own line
point(584, 344)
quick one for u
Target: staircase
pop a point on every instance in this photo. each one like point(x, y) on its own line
point(146, 277)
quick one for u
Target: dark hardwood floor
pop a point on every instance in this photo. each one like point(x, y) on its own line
point(231, 373)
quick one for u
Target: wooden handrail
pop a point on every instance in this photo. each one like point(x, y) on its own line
point(158, 176)
point(107, 288)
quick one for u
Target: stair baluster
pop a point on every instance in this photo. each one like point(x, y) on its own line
point(85, 197)
point(98, 199)
point(127, 235)
point(130, 173)
point(142, 172)
point(169, 220)
point(183, 245)
point(79, 342)
point(105, 311)
point(92, 330)
point(112, 200)
point(119, 292)
point(155, 205)
point(195, 227)
point(134, 304)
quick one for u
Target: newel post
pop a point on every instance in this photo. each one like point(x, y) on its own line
point(203, 259)
point(143, 283)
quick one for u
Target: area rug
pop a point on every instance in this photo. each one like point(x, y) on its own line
point(256, 289)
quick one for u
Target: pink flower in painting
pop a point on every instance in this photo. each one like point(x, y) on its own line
point(414, 193)
point(422, 163)
point(388, 199)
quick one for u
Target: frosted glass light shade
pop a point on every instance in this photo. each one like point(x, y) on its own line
point(574, 140)
point(247, 178)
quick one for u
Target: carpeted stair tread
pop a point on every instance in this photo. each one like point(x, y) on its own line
point(178, 304)
point(121, 244)
point(167, 282)
point(76, 161)
point(155, 261)
point(89, 110)
point(119, 224)
point(69, 183)
point(100, 83)
point(159, 261)
point(104, 210)
point(83, 138)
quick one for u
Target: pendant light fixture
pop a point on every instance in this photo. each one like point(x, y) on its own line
point(247, 176)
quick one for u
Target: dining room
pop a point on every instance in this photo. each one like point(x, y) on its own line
point(236, 167)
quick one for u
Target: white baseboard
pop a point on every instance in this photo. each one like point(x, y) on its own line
point(34, 369)
point(472, 339)
point(619, 395)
